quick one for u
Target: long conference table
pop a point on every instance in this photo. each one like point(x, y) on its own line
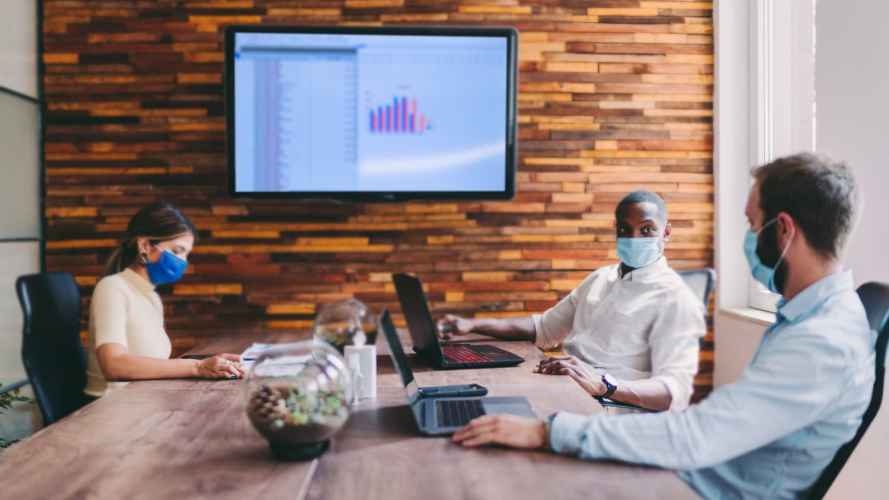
point(189, 439)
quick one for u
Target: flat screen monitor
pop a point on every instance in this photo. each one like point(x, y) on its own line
point(371, 113)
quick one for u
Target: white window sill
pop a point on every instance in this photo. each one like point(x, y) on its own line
point(757, 316)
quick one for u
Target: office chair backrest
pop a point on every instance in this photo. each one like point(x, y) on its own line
point(700, 281)
point(875, 297)
point(52, 353)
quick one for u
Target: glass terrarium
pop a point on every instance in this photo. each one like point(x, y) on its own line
point(298, 396)
point(339, 324)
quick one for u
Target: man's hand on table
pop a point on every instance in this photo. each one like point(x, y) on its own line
point(451, 325)
point(585, 377)
point(506, 430)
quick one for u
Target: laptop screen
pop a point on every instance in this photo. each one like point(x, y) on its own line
point(395, 349)
point(416, 313)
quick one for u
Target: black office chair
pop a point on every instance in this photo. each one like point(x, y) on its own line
point(701, 282)
point(52, 353)
point(875, 297)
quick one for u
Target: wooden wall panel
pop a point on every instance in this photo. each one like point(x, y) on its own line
point(614, 95)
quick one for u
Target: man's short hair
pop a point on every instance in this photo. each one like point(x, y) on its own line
point(819, 193)
point(641, 196)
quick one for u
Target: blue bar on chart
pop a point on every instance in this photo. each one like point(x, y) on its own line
point(399, 116)
point(404, 113)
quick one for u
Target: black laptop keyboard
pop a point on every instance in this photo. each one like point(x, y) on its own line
point(477, 353)
point(458, 353)
point(458, 412)
point(492, 352)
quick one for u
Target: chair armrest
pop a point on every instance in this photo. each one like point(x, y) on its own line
point(610, 403)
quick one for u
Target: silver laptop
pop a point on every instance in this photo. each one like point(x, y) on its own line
point(442, 415)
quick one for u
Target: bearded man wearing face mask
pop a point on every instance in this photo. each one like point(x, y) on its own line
point(631, 330)
point(773, 431)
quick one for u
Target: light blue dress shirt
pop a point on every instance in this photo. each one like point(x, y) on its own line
point(771, 433)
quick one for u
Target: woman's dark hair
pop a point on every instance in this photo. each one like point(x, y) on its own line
point(159, 221)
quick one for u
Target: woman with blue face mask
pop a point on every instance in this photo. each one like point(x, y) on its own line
point(127, 340)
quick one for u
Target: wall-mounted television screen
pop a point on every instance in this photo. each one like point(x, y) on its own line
point(371, 113)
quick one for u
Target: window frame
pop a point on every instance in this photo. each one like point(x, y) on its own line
point(764, 109)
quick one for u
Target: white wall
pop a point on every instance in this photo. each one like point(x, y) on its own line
point(852, 89)
point(763, 110)
point(852, 124)
point(19, 193)
point(18, 258)
point(20, 164)
point(736, 340)
point(19, 161)
point(18, 46)
point(735, 337)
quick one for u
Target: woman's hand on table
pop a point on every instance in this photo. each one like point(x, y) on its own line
point(220, 366)
point(507, 430)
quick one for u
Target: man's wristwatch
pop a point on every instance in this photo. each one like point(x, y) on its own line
point(548, 425)
point(610, 385)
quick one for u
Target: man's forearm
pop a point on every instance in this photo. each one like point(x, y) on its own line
point(647, 393)
point(506, 328)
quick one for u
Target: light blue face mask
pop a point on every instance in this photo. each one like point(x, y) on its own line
point(761, 272)
point(639, 252)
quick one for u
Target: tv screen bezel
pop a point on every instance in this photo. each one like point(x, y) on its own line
point(508, 33)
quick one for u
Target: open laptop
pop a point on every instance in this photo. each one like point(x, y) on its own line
point(443, 414)
point(424, 334)
point(399, 360)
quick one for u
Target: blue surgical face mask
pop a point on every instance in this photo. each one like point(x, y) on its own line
point(761, 272)
point(639, 252)
point(168, 269)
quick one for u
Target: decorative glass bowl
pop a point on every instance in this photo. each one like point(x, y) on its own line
point(298, 396)
point(339, 324)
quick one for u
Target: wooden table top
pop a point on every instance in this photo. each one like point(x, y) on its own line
point(191, 439)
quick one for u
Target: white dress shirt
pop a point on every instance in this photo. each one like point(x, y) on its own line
point(771, 433)
point(644, 325)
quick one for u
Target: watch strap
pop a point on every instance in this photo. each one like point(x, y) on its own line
point(609, 387)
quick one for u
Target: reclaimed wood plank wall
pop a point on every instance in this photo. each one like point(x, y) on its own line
point(614, 95)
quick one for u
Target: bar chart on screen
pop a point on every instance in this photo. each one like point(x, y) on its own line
point(400, 115)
